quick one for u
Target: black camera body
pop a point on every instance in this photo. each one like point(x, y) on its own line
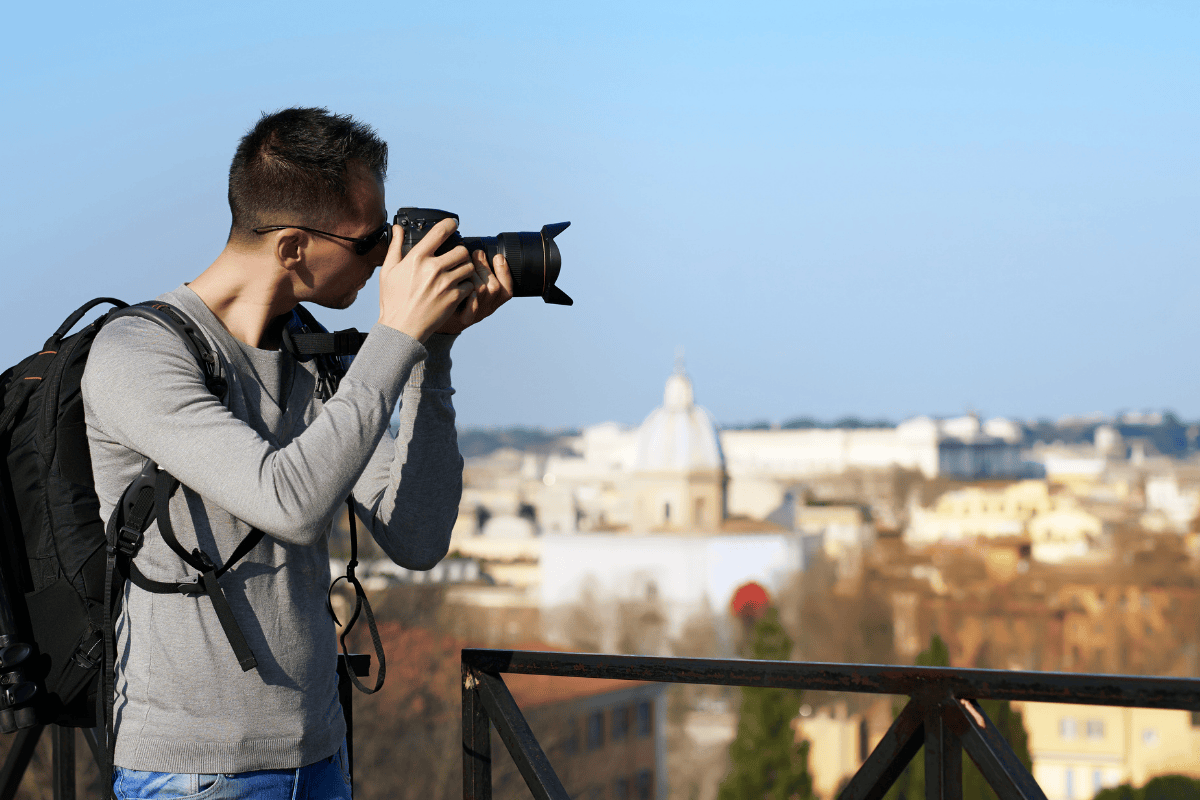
point(533, 258)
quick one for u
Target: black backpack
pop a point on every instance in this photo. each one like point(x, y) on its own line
point(62, 574)
point(53, 582)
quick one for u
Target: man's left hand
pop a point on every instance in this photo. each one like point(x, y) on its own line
point(493, 288)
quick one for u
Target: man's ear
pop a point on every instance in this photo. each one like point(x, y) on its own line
point(290, 249)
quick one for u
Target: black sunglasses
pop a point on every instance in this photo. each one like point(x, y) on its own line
point(362, 246)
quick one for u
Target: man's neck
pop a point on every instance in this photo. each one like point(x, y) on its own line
point(246, 293)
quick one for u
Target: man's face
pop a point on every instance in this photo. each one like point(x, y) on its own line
point(338, 273)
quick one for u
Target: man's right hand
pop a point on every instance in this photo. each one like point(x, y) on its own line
point(419, 292)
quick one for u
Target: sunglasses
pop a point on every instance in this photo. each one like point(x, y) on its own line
point(362, 246)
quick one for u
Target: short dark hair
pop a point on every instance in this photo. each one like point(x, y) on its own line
point(292, 168)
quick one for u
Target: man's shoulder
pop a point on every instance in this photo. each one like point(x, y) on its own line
point(129, 343)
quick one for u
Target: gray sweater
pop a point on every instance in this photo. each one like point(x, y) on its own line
point(276, 458)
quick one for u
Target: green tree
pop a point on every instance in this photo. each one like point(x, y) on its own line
point(911, 783)
point(1163, 787)
point(765, 761)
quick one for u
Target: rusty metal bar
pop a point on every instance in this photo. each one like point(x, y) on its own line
point(477, 741)
point(1044, 687)
point(63, 762)
point(992, 753)
point(943, 756)
point(95, 738)
point(889, 758)
point(19, 755)
point(518, 738)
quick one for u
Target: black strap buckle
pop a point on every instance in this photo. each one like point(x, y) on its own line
point(129, 541)
point(88, 654)
point(191, 588)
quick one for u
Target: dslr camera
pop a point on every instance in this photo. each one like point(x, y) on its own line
point(533, 258)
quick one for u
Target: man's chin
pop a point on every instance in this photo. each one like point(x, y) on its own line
point(339, 303)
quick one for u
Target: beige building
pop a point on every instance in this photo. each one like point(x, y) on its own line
point(1053, 522)
point(1079, 750)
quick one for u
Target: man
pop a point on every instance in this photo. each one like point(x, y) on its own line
point(309, 225)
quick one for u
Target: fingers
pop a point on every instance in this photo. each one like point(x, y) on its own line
point(397, 244)
point(482, 272)
point(504, 275)
point(436, 237)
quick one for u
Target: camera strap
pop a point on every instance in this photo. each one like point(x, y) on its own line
point(304, 346)
point(360, 604)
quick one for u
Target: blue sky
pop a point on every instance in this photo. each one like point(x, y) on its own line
point(869, 208)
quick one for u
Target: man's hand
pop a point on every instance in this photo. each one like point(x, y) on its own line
point(417, 294)
point(492, 289)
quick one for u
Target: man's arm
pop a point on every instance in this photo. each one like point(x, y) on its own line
point(408, 494)
point(144, 391)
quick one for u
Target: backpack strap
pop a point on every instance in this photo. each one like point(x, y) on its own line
point(175, 320)
point(306, 339)
point(206, 582)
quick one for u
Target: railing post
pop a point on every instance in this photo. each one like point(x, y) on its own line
point(63, 762)
point(20, 753)
point(477, 740)
point(943, 757)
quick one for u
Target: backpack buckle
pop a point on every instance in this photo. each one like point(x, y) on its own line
point(89, 654)
point(129, 541)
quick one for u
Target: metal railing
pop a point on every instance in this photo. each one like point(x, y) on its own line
point(942, 712)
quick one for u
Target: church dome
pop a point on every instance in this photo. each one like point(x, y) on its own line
point(679, 436)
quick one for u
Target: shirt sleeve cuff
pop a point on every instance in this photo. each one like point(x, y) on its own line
point(434, 371)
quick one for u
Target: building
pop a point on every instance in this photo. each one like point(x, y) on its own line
point(605, 738)
point(670, 578)
point(678, 476)
point(1079, 750)
point(1053, 522)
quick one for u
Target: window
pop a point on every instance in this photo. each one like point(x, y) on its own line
point(595, 730)
point(621, 788)
point(667, 512)
point(1150, 737)
point(645, 785)
point(645, 718)
point(620, 722)
point(571, 741)
point(1095, 729)
point(1070, 776)
point(1097, 781)
point(699, 510)
point(1068, 728)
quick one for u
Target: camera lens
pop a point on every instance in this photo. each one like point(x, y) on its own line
point(533, 258)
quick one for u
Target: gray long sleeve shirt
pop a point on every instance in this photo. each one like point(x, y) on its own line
point(276, 458)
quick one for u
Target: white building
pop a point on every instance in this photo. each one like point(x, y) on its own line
point(681, 574)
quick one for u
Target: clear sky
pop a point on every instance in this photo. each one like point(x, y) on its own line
point(873, 208)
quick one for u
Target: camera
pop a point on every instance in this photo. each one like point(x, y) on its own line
point(533, 258)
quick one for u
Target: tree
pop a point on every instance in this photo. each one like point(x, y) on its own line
point(1163, 787)
point(766, 762)
point(911, 783)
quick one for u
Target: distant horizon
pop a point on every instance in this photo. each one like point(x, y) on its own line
point(851, 421)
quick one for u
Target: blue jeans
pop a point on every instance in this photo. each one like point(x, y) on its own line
point(328, 779)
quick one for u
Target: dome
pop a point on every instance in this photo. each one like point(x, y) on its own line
point(679, 436)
